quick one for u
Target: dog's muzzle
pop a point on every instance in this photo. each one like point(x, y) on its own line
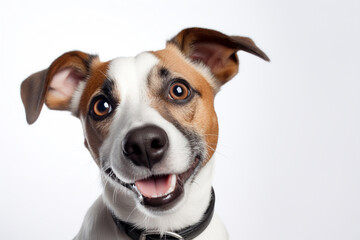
point(146, 146)
point(158, 191)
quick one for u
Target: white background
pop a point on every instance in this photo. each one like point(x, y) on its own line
point(288, 161)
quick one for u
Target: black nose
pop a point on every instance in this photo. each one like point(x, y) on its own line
point(146, 145)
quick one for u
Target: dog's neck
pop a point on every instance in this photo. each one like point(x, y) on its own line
point(190, 232)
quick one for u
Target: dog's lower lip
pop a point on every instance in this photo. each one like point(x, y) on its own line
point(165, 199)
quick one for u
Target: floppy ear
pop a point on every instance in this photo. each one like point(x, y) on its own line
point(216, 50)
point(55, 85)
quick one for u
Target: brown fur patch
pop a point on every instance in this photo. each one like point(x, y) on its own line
point(220, 50)
point(95, 132)
point(36, 88)
point(199, 113)
point(94, 83)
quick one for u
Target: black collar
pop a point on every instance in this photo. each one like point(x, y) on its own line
point(187, 233)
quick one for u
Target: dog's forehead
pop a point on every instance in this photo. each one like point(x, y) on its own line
point(131, 73)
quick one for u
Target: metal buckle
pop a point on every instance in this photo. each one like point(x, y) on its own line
point(149, 233)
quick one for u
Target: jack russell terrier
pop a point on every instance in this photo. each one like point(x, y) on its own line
point(150, 125)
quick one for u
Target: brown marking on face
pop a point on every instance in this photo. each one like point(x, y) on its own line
point(94, 83)
point(95, 131)
point(199, 113)
point(93, 139)
point(95, 134)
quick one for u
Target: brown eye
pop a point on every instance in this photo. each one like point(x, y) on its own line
point(102, 107)
point(179, 91)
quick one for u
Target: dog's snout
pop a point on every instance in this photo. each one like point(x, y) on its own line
point(145, 146)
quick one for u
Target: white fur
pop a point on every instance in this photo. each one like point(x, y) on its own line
point(131, 78)
point(75, 100)
point(205, 71)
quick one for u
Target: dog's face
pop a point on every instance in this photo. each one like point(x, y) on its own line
point(148, 121)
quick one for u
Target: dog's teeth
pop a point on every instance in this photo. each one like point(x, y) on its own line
point(171, 188)
point(172, 184)
point(173, 180)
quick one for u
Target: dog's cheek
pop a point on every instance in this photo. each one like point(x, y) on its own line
point(200, 116)
point(93, 142)
point(95, 133)
point(206, 120)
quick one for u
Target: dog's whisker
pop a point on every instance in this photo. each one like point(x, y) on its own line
point(146, 221)
point(210, 134)
point(197, 184)
point(212, 144)
point(103, 73)
point(130, 214)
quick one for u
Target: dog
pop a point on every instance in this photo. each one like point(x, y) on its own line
point(150, 125)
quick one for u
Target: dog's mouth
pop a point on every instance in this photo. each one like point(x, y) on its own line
point(159, 190)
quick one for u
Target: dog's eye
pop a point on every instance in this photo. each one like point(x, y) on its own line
point(179, 91)
point(101, 108)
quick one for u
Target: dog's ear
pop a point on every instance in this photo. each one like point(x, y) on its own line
point(216, 50)
point(55, 85)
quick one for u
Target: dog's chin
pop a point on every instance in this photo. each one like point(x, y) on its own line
point(158, 193)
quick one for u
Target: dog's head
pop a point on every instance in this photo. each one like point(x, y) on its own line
point(148, 121)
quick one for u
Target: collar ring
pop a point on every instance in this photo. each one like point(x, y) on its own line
point(149, 233)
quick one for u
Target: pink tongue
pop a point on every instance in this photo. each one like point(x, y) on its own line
point(154, 186)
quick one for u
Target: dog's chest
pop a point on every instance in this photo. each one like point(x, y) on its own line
point(98, 224)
